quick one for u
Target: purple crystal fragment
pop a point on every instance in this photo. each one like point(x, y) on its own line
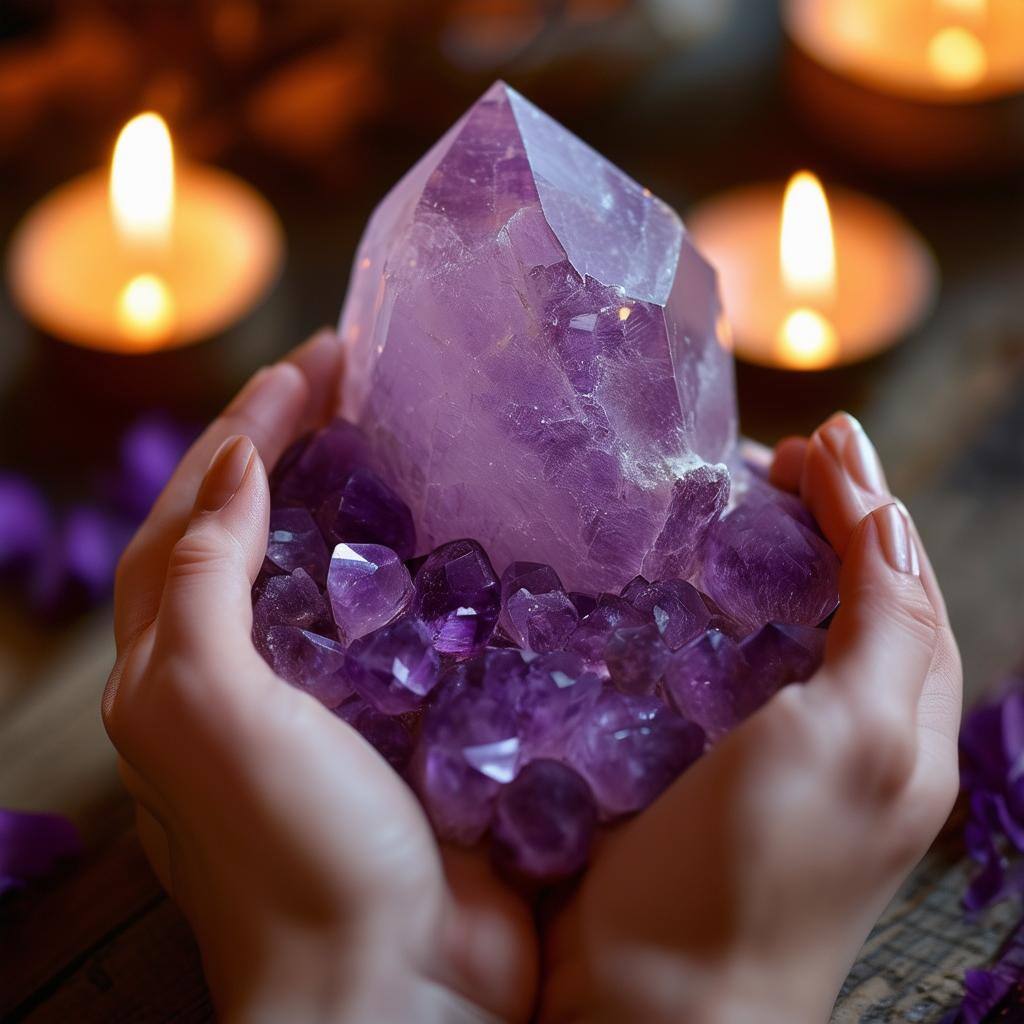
point(636, 658)
point(630, 748)
point(535, 348)
point(151, 449)
point(779, 654)
point(557, 691)
point(458, 596)
point(309, 662)
point(293, 600)
point(367, 511)
point(675, 606)
point(762, 564)
point(24, 522)
point(294, 542)
point(316, 467)
point(705, 682)
point(386, 734)
point(368, 587)
point(536, 612)
point(32, 845)
point(595, 629)
point(698, 500)
point(395, 667)
point(544, 822)
point(468, 748)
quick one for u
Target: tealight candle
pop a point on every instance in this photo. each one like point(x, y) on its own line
point(151, 256)
point(810, 282)
point(914, 83)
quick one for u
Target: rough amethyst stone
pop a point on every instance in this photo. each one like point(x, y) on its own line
point(367, 511)
point(676, 607)
point(387, 735)
point(595, 629)
point(468, 748)
point(294, 542)
point(536, 612)
point(630, 748)
point(763, 564)
point(705, 681)
point(310, 662)
point(544, 822)
point(535, 348)
point(316, 467)
point(458, 596)
point(779, 654)
point(636, 658)
point(395, 667)
point(368, 587)
point(557, 691)
point(293, 600)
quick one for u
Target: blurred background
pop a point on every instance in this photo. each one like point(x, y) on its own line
point(320, 107)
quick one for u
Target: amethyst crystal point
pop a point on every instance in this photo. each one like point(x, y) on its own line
point(544, 822)
point(293, 600)
point(310, 662)
point(762, 564)
point(367, 511)
point(316, 467)
point(367, 586)
point(295, 543)
point(630, 748)
point(468, 747)
point(458, 596)
point(387, 735)
point(595, 629)
point(705, 682)
point(536, 612)
point(636, 658)
point(677, 608)
point(557, 692)
point(394, 668)
point(535, 348)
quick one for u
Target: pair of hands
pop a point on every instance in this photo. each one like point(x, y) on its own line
point(311, 877)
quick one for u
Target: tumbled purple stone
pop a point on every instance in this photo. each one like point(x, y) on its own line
point(395, 667)
point(468, 748)
point(636, 658)
point(763, 564)
point(677, 608)
point(294, 542)
point(458, 596)
point(698, 500)
point(779, 654)
point(594, 630)
point(544, 822)
point(386, 734)
point(630, 748)
point(536, 612)
point(557, 691)
point(368, 587)
point(367, 511)
point(535, 348)
point(292, 600)
point(705, 681)
point(310, 662)
point(317, 466)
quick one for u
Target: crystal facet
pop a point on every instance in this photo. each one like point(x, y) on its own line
point(295, 543)
point(536, 612)
point(368, 587)
point(367, 511)
point(395, 667)
point(310, 662)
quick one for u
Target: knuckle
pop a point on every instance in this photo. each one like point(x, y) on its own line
point(199, 553)
point(878, 751)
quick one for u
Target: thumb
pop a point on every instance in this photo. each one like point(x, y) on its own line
point(206, 606)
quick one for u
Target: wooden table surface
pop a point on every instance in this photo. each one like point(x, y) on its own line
point(101, 943)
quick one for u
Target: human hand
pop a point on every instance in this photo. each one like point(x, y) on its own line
point(305, 866)
point(745, 892)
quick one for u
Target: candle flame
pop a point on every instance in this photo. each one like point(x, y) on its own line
point(807, 340)
point(145, 309)
point(807, 255)
point(957, 57)
point(142, 182)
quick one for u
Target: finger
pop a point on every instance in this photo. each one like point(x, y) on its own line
point(842, 478)
point(272, 409)
point(206, 606)
point(787, 466)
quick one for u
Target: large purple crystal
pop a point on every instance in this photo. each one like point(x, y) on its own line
point(536, 350)
point(395, 667)
point(368, 587)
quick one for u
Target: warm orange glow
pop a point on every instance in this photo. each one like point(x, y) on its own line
point(807, 341)
point(957, 57)
point(965, 8)
point(145, 309)
point(807, 255)
point(142, 182)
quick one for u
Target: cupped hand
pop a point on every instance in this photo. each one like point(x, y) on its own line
point(744, 893)
point(305, 866)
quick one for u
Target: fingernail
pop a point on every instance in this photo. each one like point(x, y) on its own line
point(897, 540)
point(226, 473)
point(850, 446)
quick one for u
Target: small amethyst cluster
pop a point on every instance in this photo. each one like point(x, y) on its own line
point(510, 705)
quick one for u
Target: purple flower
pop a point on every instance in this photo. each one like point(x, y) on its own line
point(150, 451)
point(31, 846)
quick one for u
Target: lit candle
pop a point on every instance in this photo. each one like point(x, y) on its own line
point(153, 255)
point(919, 83)
point(810, 282)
